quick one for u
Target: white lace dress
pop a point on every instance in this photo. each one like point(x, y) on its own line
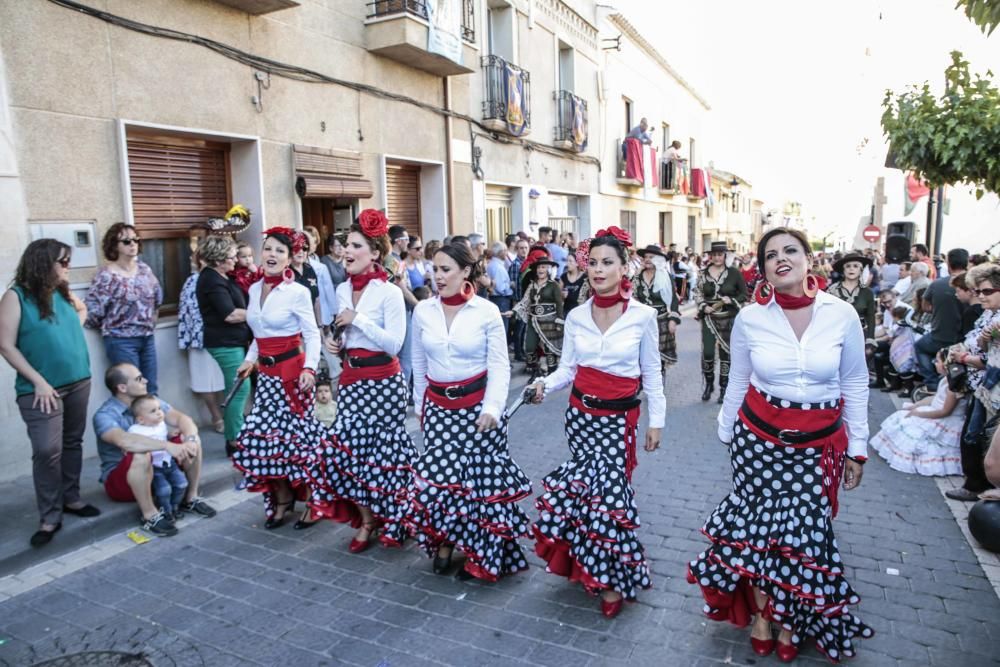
point(920, 445)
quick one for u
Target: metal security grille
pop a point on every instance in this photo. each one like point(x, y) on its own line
point(402, 194)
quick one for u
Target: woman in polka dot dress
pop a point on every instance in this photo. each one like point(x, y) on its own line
point(795, 419)
point(280, 438)
point(465, 486)
point(367, 459)
point(587, 523)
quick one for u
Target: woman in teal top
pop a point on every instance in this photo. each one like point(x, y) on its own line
point(41, 337)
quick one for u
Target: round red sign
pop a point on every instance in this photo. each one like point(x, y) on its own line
point(871, 234)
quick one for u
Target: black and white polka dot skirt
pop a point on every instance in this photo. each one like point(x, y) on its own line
point(367, 458)
point(465, 491)
point(276, 444)
point(774, 531)
point(586, 530)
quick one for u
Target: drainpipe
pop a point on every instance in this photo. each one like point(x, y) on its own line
point(448, 172)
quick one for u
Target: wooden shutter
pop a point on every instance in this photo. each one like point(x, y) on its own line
point(402, 190)
point(176, 183)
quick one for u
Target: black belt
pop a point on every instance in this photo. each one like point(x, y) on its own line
point(367, 362)
point(618, 404)
point(456, 391)
point(790, 436)
point(268, 360)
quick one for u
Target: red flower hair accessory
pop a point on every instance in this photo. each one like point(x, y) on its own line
point(373, 223)
point(618, 233)
point(583, 252)
point(295, 238)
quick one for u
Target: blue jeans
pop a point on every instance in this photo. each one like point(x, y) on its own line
point(169, 486)
point(405, 352)
point(926, 348)
point(504, 303)
point(140, 351)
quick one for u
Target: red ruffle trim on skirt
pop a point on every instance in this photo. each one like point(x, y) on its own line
point(559, 561)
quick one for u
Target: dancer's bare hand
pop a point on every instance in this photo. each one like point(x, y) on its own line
point(539, 389)
point(653, 439)
point(306, 380)
point(486, 422)
point(853, 471)
point(245, 369)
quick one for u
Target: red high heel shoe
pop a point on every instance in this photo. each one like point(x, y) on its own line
point(357, 546)
point(786, 652)
point(762, 647)
point(611, 609)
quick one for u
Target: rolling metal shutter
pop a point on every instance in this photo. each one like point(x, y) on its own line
point(402, 194)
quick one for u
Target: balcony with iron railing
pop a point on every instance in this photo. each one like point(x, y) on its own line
point(401, 30)
point(506, 97)
point(572, 130)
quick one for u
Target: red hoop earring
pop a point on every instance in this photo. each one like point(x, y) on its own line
point(810, 285)
point(468, 290)
point(288, 276)
point(763, 293)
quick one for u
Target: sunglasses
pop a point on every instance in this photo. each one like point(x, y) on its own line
point(63, 262)
point(989, 291)
point(128, 241)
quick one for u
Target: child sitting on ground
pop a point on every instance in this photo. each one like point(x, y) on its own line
point(169, 482)
point(923, 438)
point(246, 272)
point(325, 409)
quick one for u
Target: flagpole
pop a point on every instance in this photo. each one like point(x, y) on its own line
point(939, 223)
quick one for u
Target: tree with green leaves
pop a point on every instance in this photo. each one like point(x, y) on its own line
point(951, 139)
point(984, 13)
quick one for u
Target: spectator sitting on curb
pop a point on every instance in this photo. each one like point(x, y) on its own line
point(126, 462)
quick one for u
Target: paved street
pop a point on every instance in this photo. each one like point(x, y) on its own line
point(226, 592)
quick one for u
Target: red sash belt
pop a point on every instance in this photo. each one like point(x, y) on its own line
point(350, 374)
point(834, 446)
point(288, 370)
point(607, 387)
point(467, 401)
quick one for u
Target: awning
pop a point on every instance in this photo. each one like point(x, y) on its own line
point(309, 186)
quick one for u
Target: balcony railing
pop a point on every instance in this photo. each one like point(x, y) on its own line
point(669, 177)
point(506, 96)
point(418, 8)
point(572, 129)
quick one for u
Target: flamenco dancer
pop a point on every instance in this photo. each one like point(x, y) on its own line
point(795, 423)
point(587, 524)
point(541, 309)
point(850, 289)
point(280, 437)
point(367, 458)
point(654, 287)
point(719, 294)
point(466, 486)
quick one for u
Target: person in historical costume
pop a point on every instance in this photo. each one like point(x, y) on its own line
point(611, 356)
point(850, 289)
point(795, 420)
point(466, 485)
point(719, 294)
point(368, 456)
point(541, 308)
point(280, 438)
point(654, 287)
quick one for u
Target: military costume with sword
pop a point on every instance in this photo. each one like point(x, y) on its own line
point(719, 294)
point(541, 309)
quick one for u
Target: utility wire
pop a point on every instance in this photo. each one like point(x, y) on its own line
point(284, 70)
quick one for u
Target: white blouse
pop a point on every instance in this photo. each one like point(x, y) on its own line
point(475, 343)
point(288, 310)
point(380, 317)
point(629, 348)
point(827, 364)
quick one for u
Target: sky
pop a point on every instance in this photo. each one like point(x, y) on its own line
point(796, 89)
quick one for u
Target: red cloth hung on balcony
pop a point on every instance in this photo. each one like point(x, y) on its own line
point(633, 160)
point(654, 168)
point(697, 183)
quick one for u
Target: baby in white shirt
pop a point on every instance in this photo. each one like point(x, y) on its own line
point(169, 482)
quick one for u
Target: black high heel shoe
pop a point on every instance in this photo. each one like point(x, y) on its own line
point(442, 564)
point(302, 524)
point(277, 522)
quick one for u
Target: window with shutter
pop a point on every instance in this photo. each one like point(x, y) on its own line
point(175, 183)
point(402, 190)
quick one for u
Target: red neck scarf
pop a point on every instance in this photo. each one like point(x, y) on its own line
point(461, 296)
point(793, 302)
point(360, 280)
point(622, 296)
point(285, 276)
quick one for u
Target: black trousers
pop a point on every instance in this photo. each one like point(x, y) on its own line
point(973, 453)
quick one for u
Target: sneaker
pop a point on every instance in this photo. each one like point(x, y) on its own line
point(160, 525)
point(198, 506)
